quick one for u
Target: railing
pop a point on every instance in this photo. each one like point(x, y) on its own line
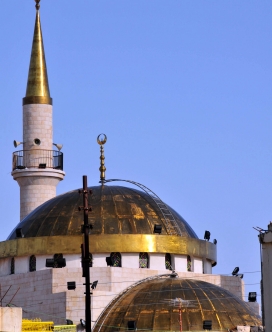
point(37, 158)
point(170, 221)
point(36, 325)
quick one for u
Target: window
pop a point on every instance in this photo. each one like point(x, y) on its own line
point(189, 264)
point(116, 259)
point(32, 263)
point(168, 263)
point(56, 258)
point(143, 260)
point(12, 266)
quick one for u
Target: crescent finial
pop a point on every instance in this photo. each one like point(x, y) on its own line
point(37, 4)
point(101, 140)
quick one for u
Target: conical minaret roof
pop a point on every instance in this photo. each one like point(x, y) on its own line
point(37, 91)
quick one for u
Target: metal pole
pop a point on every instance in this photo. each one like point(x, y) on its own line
point(86, 256)
point(4, 295)
point(262, 292)
point(180, 318)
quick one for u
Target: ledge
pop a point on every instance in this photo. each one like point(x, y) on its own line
point(49, 245)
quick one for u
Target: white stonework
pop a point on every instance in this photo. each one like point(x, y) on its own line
point(5, 266)
point(255, 307)
point(44, 293)
point(37, 123)
point(11, 319)
point(40, 262)
point(207, 266)
point(156, 261)
point(180, 263)
point(99, 260)
point(266, 242)
point(197, 265)
point(128, 260)
point(36, 187)
point(22, 265)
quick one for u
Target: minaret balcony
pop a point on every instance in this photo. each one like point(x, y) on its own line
point(37, 158)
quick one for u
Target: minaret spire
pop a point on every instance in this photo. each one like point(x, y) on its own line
point(37, 91)
point(37, 168)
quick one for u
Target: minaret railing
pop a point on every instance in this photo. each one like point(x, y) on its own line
point(37, 158)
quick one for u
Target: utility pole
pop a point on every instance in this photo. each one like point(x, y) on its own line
point(86, 254)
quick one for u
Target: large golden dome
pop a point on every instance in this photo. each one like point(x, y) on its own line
point(116, 210)
point(154, 305)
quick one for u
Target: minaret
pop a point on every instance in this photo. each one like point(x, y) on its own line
point(37, 168)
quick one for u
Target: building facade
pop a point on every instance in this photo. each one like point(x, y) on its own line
point(134, 234)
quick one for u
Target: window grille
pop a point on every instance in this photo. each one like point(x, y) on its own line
point(12, 266)
point(116, 259)
point(143, 260)
point(32, 263)
point(189, 264)
point(168, 263)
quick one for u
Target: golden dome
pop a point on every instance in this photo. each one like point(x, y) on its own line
point(154, 305)
point(115, 210)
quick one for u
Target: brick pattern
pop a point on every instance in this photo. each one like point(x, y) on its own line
point(32, 196)
point(11, 319)
point(44, 293)
point(34, 295)
point(37, 123)
point(36, 188)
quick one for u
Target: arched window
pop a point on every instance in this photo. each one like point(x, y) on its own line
point(56, 258)
point(168, 262)
point(32, 263)
point(189, 264)
point(12, 266)
point(143, 260)
point(116, 259)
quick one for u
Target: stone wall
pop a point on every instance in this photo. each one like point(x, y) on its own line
point(33, 292)
point(129, 260)
point(44, 293)
point(37, 123)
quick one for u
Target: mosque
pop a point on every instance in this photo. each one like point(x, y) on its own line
point(153, 271)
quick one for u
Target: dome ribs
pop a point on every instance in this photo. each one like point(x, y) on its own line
point(110, 213)
point(149, 304)
point(116, 210)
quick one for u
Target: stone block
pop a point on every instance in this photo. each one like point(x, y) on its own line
point(10, 319)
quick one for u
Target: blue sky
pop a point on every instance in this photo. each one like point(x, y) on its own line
point(181, 88)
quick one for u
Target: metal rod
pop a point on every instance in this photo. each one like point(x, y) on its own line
point(14, 295)
point(86, 256)
point(180, 318)
point(262, 292)
point(5, 295)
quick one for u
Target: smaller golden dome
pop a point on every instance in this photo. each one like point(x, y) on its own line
point(151, 304)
